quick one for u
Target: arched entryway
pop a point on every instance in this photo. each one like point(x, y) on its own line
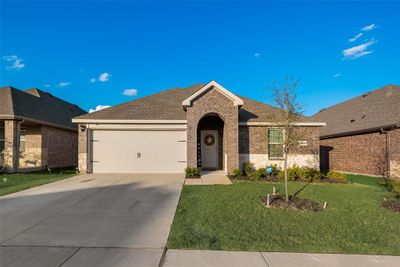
point(210, 142)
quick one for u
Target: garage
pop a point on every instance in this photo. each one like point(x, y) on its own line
point(138, 151)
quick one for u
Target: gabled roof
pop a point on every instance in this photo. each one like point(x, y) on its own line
point(370, 111)
point(167, 105)
point(213, 84)
point(37, 106)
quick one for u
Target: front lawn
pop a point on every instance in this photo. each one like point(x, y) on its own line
point(232, 218)
point(11, 183)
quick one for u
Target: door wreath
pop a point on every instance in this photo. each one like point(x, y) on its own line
point(209, 139)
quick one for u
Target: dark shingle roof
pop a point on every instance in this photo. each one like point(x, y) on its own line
point(372, 110)
point(167, 105)
point(37, 105)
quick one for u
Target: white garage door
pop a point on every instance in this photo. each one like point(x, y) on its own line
point(138, 151)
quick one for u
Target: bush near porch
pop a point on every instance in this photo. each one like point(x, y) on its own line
point(232, 218)
point(11, 183)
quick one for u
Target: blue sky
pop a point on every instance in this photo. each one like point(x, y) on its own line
point(90, 52)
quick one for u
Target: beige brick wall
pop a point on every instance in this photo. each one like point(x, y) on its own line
point(83, 150)
point(10, 145)
point(33, 156)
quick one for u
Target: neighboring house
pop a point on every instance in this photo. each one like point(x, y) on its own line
point(362, 134)
point(202, 125)
point(36, 130)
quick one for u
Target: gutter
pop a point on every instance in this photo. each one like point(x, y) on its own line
point(308, 124)
point(368, 130)
point(40, 122)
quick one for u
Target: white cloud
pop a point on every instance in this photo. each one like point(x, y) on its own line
point(358, 51)
point(93, 80)
point(130, 92)
point(337, 75)
point(104, 77)
point(257, 54)
point(99, 107)
point(47, 85)
point(16, 62)
point(368, 27)
point(356, 37)
point(63, 84)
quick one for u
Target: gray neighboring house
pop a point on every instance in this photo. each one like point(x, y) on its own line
point(203, 125)
point(362, 134)
point(36, 130)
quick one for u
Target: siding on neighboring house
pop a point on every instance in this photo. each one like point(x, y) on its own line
point(362, 153)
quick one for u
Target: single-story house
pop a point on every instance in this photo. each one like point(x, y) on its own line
point(362, 135)
point(202, 125)
point(36, 130)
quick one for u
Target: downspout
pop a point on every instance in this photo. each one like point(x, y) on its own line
point(387, 153)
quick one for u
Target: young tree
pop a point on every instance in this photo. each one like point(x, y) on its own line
point(285, 98)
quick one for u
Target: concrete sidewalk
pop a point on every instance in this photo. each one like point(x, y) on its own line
point(200, 258)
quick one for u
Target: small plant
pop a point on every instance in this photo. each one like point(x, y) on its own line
point(192, 172)
point(311, 174)
point(237, 173)
point(248, 168)
point(274, 170)
point(262, 172)
point(254, 176)
point(336, 176)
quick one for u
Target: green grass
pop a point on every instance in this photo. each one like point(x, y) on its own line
point(232, 218)
point(11, 183)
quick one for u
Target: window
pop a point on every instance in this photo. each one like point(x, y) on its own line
point(275, 143)
point(22, 140)
point(2, 139)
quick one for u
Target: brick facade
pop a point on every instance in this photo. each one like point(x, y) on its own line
point(362, 153)
point(253, 147)
point(83, 154)
point(59, 147)
point(215, 103)
point(11, 129)
point(44, 147)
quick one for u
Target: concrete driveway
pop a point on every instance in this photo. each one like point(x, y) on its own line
point(90, 220)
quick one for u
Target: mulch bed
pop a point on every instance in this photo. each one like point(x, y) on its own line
point(275, 179)
point(295, 203)
point(393, 205)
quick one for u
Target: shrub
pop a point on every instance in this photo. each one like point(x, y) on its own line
point(393, 187)
point(262, 172)
point(248, 168)
point(254, 176)
point(237, 173)
point(192, 172)
point(297, 173)
point(336, 176)
point(275, 169)
point(310, 174)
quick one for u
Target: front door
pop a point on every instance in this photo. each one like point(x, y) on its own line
point(209, 149)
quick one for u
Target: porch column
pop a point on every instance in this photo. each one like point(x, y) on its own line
point(83, 148)
point(11, 145)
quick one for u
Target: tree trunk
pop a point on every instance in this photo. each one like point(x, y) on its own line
point(286, 178)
